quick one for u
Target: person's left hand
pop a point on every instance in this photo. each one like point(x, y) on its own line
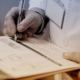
point(73, 56)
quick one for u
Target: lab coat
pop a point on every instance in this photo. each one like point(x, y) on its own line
point(67, 37)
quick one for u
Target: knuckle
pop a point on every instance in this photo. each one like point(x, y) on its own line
point(9, 13)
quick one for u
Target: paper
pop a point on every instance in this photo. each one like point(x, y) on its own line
point(36, 57)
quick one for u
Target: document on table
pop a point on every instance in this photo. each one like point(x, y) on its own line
point(32, 57)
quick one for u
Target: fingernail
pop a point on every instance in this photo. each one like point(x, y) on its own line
point(20, 28)
point(65, 55)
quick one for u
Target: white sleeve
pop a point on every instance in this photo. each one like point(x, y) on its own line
point(37, 3)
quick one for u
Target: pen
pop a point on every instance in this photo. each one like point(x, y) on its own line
point(21, 7)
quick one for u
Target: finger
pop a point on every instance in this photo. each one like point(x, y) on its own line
point(29, 34)
point(31, 31)
point(10, 27)
point(24, 36)
point(8, 34)
point(74, 56)
point(9, 21)
point(7, 31)
point(19, 35)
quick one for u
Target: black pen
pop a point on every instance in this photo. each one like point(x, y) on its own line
point(21, 7)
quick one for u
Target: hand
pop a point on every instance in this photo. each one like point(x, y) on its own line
point(73, 56)
point(28, 26)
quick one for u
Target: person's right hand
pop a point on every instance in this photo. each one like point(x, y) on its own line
point(28, 26)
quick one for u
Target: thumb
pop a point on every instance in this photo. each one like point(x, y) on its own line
point(73, 56)
point(24, 25)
